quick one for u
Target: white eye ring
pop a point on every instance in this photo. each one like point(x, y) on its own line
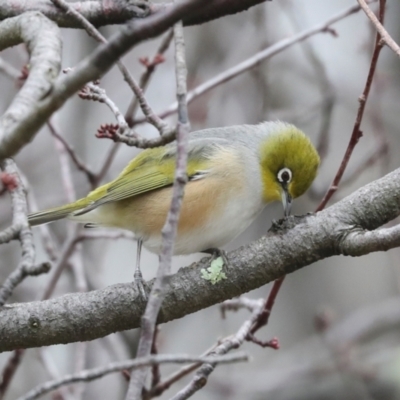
point(284, 175)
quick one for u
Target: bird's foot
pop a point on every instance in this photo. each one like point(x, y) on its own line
point(140, 284)
point(215, 253)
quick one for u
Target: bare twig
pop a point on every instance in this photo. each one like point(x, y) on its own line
point(120, 132)
point(138, 141)
point(389, 236)
point(112, 152)
point(226, 345)
point(369, 161)
point(162, 386)
point(20, 224)
point(104, 234)
point(81, 348)
point(263, 318)
point(48, 241)
point(52, 370)
point(96, 373)
point(383, 33)
point(353, 141)
point(94, 92)
point(92, 31)
point(321, 78)
point(9, 370)
point(72, 153)
point(155, 369)
point(89, 69)
point(256, 60)
point(145, 78)
point(66, 252)
point(171, 225)
point(356, 134)
point(65, 170)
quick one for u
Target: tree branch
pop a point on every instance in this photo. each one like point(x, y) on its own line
point(255, 60)
point(42, 37)
point(388, 40)
point(35, 112)
point(20, 229)
point(170, 228)
point(101, 13)
point(293, 244)
point(96, 373)
point(357, 133)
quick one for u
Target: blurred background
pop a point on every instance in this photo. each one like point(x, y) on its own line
point(336, 320)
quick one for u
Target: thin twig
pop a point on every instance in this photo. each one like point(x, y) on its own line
point(92, 31)
point(65, 170)
point(81, 348)
point(353, 141)
point(266, 312)
point(170, 228)
point(96, 373)
point(104, 234)
point(256, 59)
point(226, 345)
point(383, 33)
point(162, 386)
point(26, 267)
point(369, 161)
point(9, 370)
point(66, 252)
point(155, 369)
point(320, 77)
point(48, 241)
point(51, 368)
point(357, 133)
point(145, 78)
point(80, 165)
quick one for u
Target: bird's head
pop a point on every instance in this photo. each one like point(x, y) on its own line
point(289, 164)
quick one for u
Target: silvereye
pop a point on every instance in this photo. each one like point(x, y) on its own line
point(233, 173)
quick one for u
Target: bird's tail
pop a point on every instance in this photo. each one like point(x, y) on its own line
point(53, 214)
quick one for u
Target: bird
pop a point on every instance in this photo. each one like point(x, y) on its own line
point(233, 173)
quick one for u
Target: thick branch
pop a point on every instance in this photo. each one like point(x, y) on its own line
point(292, 245)
point(104, 12)
point(35, 113)
point(42, 37)
point(98, 13)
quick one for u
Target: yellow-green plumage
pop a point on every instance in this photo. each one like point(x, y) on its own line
point(152, 169)
point(291, 149)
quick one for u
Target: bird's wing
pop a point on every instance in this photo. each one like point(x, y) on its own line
point(153, 169)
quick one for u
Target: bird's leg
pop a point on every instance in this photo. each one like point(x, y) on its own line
point(137, 276)
point(215, 253)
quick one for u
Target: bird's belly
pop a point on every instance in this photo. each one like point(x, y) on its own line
point(218, 230)
point(210, 216)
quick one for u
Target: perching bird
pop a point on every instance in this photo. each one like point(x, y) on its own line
point(233, 173)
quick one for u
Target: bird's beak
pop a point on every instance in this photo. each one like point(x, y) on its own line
point(286, 201)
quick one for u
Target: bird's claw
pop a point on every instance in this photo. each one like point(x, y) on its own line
point(140, 284)
point(215, 253)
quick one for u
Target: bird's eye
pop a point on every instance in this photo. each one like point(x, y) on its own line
point(284, 175)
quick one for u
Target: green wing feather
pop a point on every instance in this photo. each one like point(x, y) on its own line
point(150, 170)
